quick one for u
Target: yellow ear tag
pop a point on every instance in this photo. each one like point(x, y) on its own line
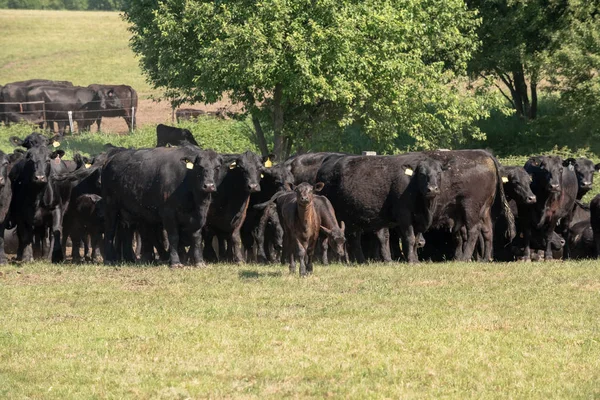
point(189, 165)
point(262, 176)
point(56, 143)
point(232, 165)
point(268, 163)
point(88, 165)
point(408, 171)
point(504, 179)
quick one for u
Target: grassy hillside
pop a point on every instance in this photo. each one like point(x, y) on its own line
point(454, 330)
point(82, 47)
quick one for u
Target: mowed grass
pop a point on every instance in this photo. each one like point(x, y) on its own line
point(78, 46)
point(458, 330)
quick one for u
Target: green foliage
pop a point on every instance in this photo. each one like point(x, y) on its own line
point(306, 69)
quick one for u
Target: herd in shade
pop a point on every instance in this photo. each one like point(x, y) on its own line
point(181, 204)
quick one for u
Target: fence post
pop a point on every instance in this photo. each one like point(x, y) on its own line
point(71, 121)
point(132, 119)
point(44, 114)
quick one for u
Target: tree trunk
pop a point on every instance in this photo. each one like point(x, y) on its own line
point(260, 135)
point(278, 145)
point(522, 98)
point(534, 99)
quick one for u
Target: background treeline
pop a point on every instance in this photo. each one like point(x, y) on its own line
point(83, 5)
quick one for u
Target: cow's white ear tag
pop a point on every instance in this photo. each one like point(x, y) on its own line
point(504, 179)
point(56, 143)
point(571, 167)
point(262, 176)
point(189, 165)
point(232, 165)
point(408, 171)
point(88, 165)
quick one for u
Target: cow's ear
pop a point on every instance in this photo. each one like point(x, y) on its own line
point(17, 155)
point(318, 186)
point(534, 161)
point(569, 162)
point(597, 167)
point(289, 187)
point(57, 153)
point(342, 226)
point(188, 162)
point(15, 141)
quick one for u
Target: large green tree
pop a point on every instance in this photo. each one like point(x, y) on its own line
point(307, 68)
point(518, 37)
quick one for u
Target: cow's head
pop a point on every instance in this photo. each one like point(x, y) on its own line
point(250, 166)
point(337, 239)
point(305, 192)
point(584, 169)
point(38, 163)
point(516, 182)
point(276, 178)
point(204, 167)
point(546, 173)
point(35, 139)
point(428, 175)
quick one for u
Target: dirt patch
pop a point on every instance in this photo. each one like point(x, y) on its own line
point(152, 112)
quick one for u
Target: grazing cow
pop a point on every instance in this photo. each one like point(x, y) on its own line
point(584, 170)
point(124, 103)
point(173, 136)
point(334, 233)
point(555, 185)
point(301, 224)
point(85, 104)
point(240, 178)
point(38, 201)
point(186, 114)
point(374, 192)
point(168, 187)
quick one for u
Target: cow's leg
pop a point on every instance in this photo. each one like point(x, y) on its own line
point(209, 251)
point(236, 245)
point(25, 248)
point(310, 253)
point(76, 238)
point(325, 249)
point(57, 253)
point(301, 255)
point(110, 230)
point(2, 254)
point(170, 225)
point(99, 122)
point(487, 234)
point(472, 238)
point(383, 235)
point(196, 248)
point(354, 239)
point(96, 239)
point(409, 244)
point(548, 250)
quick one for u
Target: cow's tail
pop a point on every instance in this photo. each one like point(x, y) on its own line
point(500, 206)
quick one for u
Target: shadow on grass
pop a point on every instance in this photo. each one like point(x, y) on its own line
point(249, 274)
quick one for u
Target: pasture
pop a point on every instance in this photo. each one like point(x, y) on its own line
point(385, 331)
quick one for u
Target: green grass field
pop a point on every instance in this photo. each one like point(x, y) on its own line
point(78, 46)
point(434, 330)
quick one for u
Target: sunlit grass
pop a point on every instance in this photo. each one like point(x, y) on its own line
point(434, 330)
point(79, 46)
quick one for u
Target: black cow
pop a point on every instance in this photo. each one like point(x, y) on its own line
point(555, 185)
point(16, 93)
point(35, 139)
point(581, 240)
point(240, 178)
point(374, 192)
point(86, 224)
point(85, 104)
point(38, 201)
point(304, 167)
point(168, 187)
point(5, 195)
point(173, 136)
point(124, 103)
point(584, 169)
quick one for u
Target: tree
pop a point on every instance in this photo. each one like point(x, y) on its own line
point(306, 68)
point(517, 38)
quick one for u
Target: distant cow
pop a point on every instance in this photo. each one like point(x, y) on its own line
point(555, 185)
point(584, 170)
point(173, 136)
point(167, 187)
point(186, 114)
point(123, 102)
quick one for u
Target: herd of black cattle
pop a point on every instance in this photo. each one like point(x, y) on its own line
point(183, 204)
point(40, 101)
